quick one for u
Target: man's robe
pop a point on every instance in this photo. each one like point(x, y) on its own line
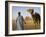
point(19, 23)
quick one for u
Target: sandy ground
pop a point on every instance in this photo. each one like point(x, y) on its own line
point(28, 26)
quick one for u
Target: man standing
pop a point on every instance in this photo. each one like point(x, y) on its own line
point(19, 22)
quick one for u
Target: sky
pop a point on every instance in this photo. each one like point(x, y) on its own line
point(23, 10)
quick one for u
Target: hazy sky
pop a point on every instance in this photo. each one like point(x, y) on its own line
point(23, 10)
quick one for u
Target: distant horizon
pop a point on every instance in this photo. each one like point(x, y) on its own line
point(23, 10)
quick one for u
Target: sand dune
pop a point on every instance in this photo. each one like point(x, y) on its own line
point(29, 24)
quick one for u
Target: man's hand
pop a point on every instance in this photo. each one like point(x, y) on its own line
point(25, 22)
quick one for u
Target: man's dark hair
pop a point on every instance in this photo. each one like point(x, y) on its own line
point(19, 13)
